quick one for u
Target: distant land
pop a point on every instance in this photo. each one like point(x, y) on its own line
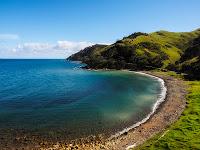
point(164, 50)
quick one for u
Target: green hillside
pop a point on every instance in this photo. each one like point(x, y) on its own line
point(185, 133)
point(190, 60)
point(142, 51)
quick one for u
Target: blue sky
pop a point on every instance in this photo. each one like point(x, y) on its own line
point(57, 28)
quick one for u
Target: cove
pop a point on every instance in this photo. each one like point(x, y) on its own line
point(56, 98)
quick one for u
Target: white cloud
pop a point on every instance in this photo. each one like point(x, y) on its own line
point(9, 37)
point(72, 45)
point(61, 49)
point(34, 46)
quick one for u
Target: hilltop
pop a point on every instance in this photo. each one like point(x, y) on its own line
point(178, 51)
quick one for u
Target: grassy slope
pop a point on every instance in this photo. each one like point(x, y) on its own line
point(155, 50)
point(161, 39)
point(185, 133)
point(190, 60)
point(171, 43)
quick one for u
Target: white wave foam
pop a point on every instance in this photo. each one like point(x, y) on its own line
point(161, 98)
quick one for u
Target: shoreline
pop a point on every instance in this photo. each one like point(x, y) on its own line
point(167, 109)
point(167, 113)
point(161, 98)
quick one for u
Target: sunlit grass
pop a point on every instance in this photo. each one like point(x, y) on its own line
point(185, 133)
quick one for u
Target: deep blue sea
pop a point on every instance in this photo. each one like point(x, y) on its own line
point(57, 98)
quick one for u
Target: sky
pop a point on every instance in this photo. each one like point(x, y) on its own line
point(59, 28)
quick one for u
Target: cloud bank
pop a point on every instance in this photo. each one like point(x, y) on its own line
point(9, 37)
point(61, 49)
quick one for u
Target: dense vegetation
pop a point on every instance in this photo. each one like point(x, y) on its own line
point(190, 60)
point(185, 133)
point(142, 51)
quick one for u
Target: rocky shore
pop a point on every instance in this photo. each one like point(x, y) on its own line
point(167, 113)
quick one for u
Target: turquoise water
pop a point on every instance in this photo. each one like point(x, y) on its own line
point(56, 97)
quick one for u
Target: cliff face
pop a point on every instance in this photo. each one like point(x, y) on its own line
point(142, 51)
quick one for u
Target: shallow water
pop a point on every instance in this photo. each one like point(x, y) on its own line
point(56, 97)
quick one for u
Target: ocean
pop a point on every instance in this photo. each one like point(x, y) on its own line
point(57, 99)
